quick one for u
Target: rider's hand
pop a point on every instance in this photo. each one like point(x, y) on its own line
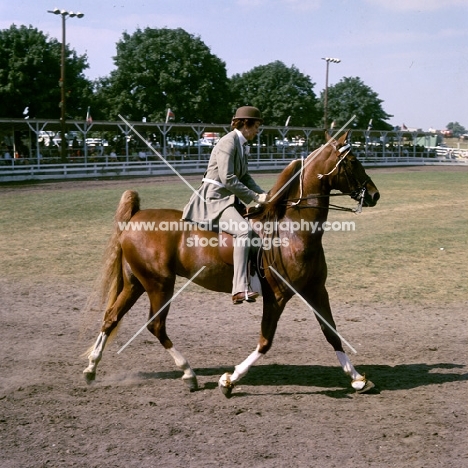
point(261, 198)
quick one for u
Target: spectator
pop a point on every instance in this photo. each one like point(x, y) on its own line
point(7, 157)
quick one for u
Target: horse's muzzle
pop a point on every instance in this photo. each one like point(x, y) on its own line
point(371, 197)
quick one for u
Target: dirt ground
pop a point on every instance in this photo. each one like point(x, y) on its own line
point(294, 409)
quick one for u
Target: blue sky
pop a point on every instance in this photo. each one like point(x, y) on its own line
point(412, 53)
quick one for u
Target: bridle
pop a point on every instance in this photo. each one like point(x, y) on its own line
point(358, 194)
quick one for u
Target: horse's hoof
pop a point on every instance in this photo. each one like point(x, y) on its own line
point(191, 383)
point(89, 377)
point(225, 385)
point(226, 391)
point(368, 385)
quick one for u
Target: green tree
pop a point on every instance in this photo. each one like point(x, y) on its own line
point(30, 75)
point(351, 96)
point(456, 129)
point(164, 68)
point(279, 92)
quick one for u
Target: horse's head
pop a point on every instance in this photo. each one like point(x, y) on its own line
point(330, 167)
point(347, 173)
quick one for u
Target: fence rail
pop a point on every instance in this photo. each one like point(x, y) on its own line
point(155, 168)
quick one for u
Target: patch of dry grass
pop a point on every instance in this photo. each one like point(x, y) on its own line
point(412, 247)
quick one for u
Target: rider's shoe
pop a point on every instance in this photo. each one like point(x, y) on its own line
point(248, 296)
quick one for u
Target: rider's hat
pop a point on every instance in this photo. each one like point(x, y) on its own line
point(248, 112)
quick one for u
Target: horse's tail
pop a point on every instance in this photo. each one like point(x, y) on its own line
point(112, 278)
point(110, 282)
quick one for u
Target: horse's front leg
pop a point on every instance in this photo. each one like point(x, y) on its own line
point(319, 301)
point(271, 314)
point(227, 381)
point(358, 381)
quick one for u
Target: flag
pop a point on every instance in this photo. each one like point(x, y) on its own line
point(287, 121)
point(404, 127)
point(170, 115)
point(369, 127)
point(89, 119)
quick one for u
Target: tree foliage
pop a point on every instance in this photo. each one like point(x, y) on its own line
point(157, 69)
point(351, 96)
point(165, 68)
point(456, 128)
point(279, 92)
point(30, 75)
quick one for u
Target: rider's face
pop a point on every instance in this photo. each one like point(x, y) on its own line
point(251, 132)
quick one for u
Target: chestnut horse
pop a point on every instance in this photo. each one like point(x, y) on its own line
point(149, 260)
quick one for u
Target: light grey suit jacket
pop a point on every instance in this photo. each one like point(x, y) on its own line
point(228, 165)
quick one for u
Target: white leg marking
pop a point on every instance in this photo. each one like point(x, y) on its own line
point(96, 354)
point(358, 380)
point(243, 367)
point(181, 363)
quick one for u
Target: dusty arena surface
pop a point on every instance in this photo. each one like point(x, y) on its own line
point(295, 408)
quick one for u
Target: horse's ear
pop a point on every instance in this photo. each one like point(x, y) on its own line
point(343, 138)
point(327, 136)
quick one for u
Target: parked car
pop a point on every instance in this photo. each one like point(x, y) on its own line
point(96, 142)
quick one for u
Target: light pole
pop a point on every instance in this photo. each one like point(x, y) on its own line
point(325, 101)
point(64, 15)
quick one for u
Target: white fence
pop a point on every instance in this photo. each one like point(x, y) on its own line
point(186, 150)
point(157, 168)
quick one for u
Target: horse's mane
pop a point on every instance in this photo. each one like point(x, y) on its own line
point(287, 181)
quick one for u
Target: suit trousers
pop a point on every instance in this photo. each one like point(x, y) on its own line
point(232, 222)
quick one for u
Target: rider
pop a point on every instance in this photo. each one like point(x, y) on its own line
point(227, 183)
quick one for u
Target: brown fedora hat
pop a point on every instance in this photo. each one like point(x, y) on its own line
point(248, 112)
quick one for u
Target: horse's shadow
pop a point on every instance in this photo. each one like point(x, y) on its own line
point(388, 378)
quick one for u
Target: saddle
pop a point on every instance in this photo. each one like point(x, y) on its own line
point(226, 248)
point(226, 251)
point(226, 241)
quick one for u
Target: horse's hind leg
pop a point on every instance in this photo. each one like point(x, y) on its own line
point(94, 357)
point(319, 300)
point(131, 291)
point(160, 294)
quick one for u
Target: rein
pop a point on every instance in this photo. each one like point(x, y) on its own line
point(295, 202)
